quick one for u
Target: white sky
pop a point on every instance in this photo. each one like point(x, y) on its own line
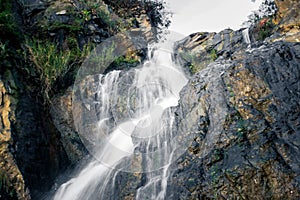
point(190, 16)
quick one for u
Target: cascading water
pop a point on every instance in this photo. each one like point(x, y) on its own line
point(134, 119)
point(246, 37)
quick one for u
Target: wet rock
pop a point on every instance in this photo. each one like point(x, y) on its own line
point(248, 146)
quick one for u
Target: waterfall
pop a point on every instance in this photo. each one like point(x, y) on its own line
point(246, 37)
point(134, 120)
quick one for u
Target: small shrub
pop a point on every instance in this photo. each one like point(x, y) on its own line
point(262, 20)
point(125, 59)
point(265, 28)
point(50, 63)
point(213, 54)
point(123, 62)
point(190, 60)
point(266, 10)
point(192, 68)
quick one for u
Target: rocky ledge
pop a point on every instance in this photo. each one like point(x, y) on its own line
point(241, 109)
point(243, 115)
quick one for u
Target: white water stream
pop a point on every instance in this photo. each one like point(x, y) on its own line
point(143, 121)
point(246, 37)
point(147, 131)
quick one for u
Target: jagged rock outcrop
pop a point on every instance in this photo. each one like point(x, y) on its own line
point(288, 14)
point(288, 20)
point(12, 184)
point(196, 51)
point(244, 117)
point(62, 116)
point(242, 113)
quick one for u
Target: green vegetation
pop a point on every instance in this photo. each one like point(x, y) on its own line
point(195, 62)
point(77, 55)
point(262, 20)
point(105, 59)
point(129, 9)
point(5, 185)
point(190, 59)
point(265, 28)
point(91, 10)
point(50, 63)
point(267, 9)
point(7, 22)
point(73, 27)
point(123, 62)
point(213, 54)
point(100, 58)
point(192, 68)
point(125, 59)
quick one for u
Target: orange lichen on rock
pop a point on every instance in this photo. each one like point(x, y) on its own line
point(249, 90)
point(14, 183)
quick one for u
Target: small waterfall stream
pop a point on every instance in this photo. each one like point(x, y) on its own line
point(246, 37)
point(143, 117)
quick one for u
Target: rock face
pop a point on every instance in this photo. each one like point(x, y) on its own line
point(199, 49)
point(12, 184)
point(241, 109)
point(288, 19)
point(244, 117)
point(34, 146)
point(288, 14)
point(241, 106)
point(62, 115)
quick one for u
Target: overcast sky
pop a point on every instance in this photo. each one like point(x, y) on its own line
point(209, 15)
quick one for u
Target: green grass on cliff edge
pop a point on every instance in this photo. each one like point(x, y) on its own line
point(8, 26)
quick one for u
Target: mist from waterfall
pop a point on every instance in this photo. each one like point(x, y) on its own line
point(134, 126)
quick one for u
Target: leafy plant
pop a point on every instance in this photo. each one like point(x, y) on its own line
point(50, 62)
point(99, 59)
point(192, 68)
point(125, 59)
point(265, 27)
point(78, 55)
point(155, 10)
point(262, 20)
point(267, 9)
point(86, 14)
